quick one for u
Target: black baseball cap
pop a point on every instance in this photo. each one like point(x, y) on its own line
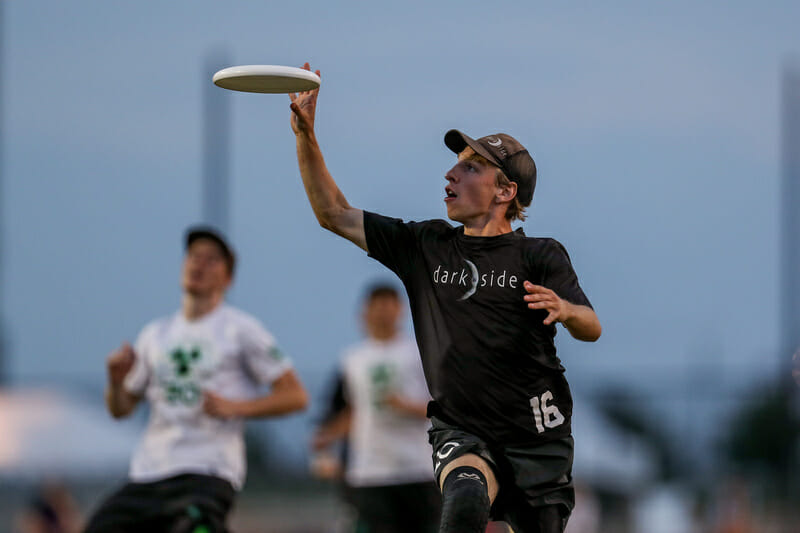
point(212, 234)
point(505, 152)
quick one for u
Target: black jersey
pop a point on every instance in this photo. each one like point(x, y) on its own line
point(489, 361)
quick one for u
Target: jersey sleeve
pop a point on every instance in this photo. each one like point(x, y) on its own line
point(391, 241)
point(139, 377)
point(336, 397)
point(264, 360)
point(560, 277)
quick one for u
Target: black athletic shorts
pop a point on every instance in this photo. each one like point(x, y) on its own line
point(535, 482)
point(398, 508)
point(173, 505)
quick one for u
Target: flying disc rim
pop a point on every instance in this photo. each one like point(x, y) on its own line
point(266, 79)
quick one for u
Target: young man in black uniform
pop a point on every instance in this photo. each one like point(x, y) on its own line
point(485, 300)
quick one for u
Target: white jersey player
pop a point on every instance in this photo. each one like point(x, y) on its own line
point(202, 370)
point(388, 471)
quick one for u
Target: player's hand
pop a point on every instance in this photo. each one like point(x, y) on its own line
point(539, 297)
point(304, 109)
point(119, 363)
point(326, 466)
point(219, 407)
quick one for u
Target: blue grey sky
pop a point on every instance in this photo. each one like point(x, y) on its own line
point(655, 127)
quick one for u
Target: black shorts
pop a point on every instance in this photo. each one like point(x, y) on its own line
point(535, 482)
point(398, 508)
point(174, 505)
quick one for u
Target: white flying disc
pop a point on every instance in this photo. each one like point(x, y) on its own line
point(266, 79)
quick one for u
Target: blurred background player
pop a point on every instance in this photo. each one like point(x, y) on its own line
point(201, 369)
point(485, 300)
point(387, 472)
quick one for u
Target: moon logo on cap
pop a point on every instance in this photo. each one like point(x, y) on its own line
point(473, 281)
point(498, 142)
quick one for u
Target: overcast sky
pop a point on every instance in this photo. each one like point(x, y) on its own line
point(655, 128)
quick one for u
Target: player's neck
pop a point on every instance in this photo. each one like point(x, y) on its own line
point(196, 306)
point(487, 226)
point(382, 335)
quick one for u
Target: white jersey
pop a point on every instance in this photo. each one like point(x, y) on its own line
point(227, 352)
point(386, 447)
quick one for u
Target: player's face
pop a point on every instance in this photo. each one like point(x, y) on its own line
point(471, 188)
point(382, 315)
point(205, 270)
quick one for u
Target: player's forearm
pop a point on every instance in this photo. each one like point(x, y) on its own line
point(329, 204)
point(276, 403)
point(582, 323)
point(326, 199)
point(409, 407)
point(120, 403)
point(335, 429)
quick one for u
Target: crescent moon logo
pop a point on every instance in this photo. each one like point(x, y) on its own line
point(498, 142)
point(447, 449)
point(473, 281)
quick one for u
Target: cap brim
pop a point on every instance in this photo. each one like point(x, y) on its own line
point(457, 141)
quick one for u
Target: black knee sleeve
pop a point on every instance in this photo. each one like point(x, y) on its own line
point(465, 501)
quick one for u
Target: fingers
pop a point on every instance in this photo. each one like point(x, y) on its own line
point(124, 349)
point(536, 289)
point(210, 403)
point(123, 354)
point(539, 297)
point(120, 363)
point(217, 406)
point(209, 398)
point(128, 352)
point(307, 66)
point(541, 300)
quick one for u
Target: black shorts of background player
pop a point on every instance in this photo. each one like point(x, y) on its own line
point(485, 300)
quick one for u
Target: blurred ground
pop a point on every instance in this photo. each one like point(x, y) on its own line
point(308, 507)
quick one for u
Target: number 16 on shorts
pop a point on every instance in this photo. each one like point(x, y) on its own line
point(546, 416)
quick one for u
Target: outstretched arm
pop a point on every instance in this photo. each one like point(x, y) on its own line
point(580, 320)
point(329, 204)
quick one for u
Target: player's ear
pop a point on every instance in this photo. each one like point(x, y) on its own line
point(506, 192)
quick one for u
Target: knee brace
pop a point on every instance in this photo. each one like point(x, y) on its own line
point(465, 501)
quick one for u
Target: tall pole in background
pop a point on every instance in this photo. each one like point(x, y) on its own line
point(3, 360)
point(790, 215)
point(216, 144)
